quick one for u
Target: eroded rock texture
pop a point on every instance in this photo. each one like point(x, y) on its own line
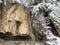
point(43, 21)
point(15, 20)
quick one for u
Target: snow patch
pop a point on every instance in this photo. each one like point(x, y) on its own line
point(51, 38)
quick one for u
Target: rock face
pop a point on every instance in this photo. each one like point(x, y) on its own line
point(45, 19)
point(15, 20)
point(55, 16)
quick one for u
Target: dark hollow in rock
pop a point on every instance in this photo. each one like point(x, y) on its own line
point(54, 31)
point(18, 23)
point(9, 36)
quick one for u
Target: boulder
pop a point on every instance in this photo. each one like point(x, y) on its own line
point(15, 20)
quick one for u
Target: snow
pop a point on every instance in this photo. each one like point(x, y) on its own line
point(0, 1)
point(23, 2)
point(55, 13)
point(26, 3)
point(52, 40)
point(18, 1)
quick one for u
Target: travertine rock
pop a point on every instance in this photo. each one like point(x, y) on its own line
point(15, 20)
